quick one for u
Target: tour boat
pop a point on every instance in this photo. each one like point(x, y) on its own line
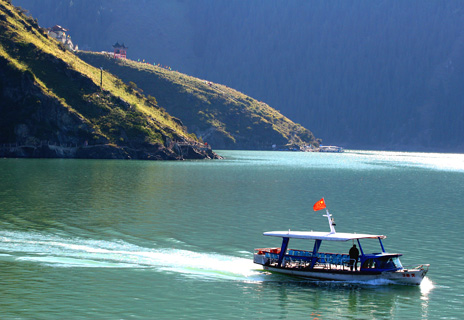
point(335, 266)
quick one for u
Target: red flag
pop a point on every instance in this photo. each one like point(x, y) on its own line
point(319, 205)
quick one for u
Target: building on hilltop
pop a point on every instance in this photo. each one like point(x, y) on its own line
point(59, 33)
point(120, 51)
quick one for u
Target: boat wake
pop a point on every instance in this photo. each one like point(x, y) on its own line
point(56, 251)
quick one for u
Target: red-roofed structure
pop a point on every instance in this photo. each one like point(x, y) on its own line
point(120, 51)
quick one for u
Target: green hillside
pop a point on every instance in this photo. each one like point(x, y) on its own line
point(52, 105)
point(220, 116)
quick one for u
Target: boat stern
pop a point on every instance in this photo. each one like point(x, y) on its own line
point(260, 259)
point(264, 255)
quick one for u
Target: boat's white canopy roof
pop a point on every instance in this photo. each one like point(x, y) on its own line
point(315, 235)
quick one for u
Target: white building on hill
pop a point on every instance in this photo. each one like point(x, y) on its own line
point(59, 33)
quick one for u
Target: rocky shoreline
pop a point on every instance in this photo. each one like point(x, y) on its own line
point(106, 151)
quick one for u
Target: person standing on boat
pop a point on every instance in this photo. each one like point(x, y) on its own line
point(354, 255)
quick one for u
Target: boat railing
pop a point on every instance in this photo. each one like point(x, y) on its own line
point(273, 256)
point(302, 258)
point(332, 260)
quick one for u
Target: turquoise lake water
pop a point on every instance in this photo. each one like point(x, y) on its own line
point(98, 239)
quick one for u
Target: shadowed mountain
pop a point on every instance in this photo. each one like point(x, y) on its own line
point(220, 116)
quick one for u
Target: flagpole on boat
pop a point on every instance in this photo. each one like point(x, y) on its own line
point(331, 221)
point(321, 205)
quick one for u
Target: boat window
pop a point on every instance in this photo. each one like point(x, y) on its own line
point(385, 263)
point(389, 263)
point(369, 264)
point(397, 262)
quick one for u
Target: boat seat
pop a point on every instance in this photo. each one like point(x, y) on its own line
point(339, 261)
point(345, 261)
point(336, 259)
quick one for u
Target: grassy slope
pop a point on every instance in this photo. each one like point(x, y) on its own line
point(61, 75)
point(242, 121)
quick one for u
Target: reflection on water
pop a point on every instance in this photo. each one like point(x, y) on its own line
point(372, 301)
point(426, 288)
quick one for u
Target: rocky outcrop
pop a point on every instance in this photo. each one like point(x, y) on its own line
point(47, 149)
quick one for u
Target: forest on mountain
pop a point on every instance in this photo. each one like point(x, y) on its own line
point(363, 74)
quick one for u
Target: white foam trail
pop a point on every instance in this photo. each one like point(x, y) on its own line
point(426, 287)
point(86, 253)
